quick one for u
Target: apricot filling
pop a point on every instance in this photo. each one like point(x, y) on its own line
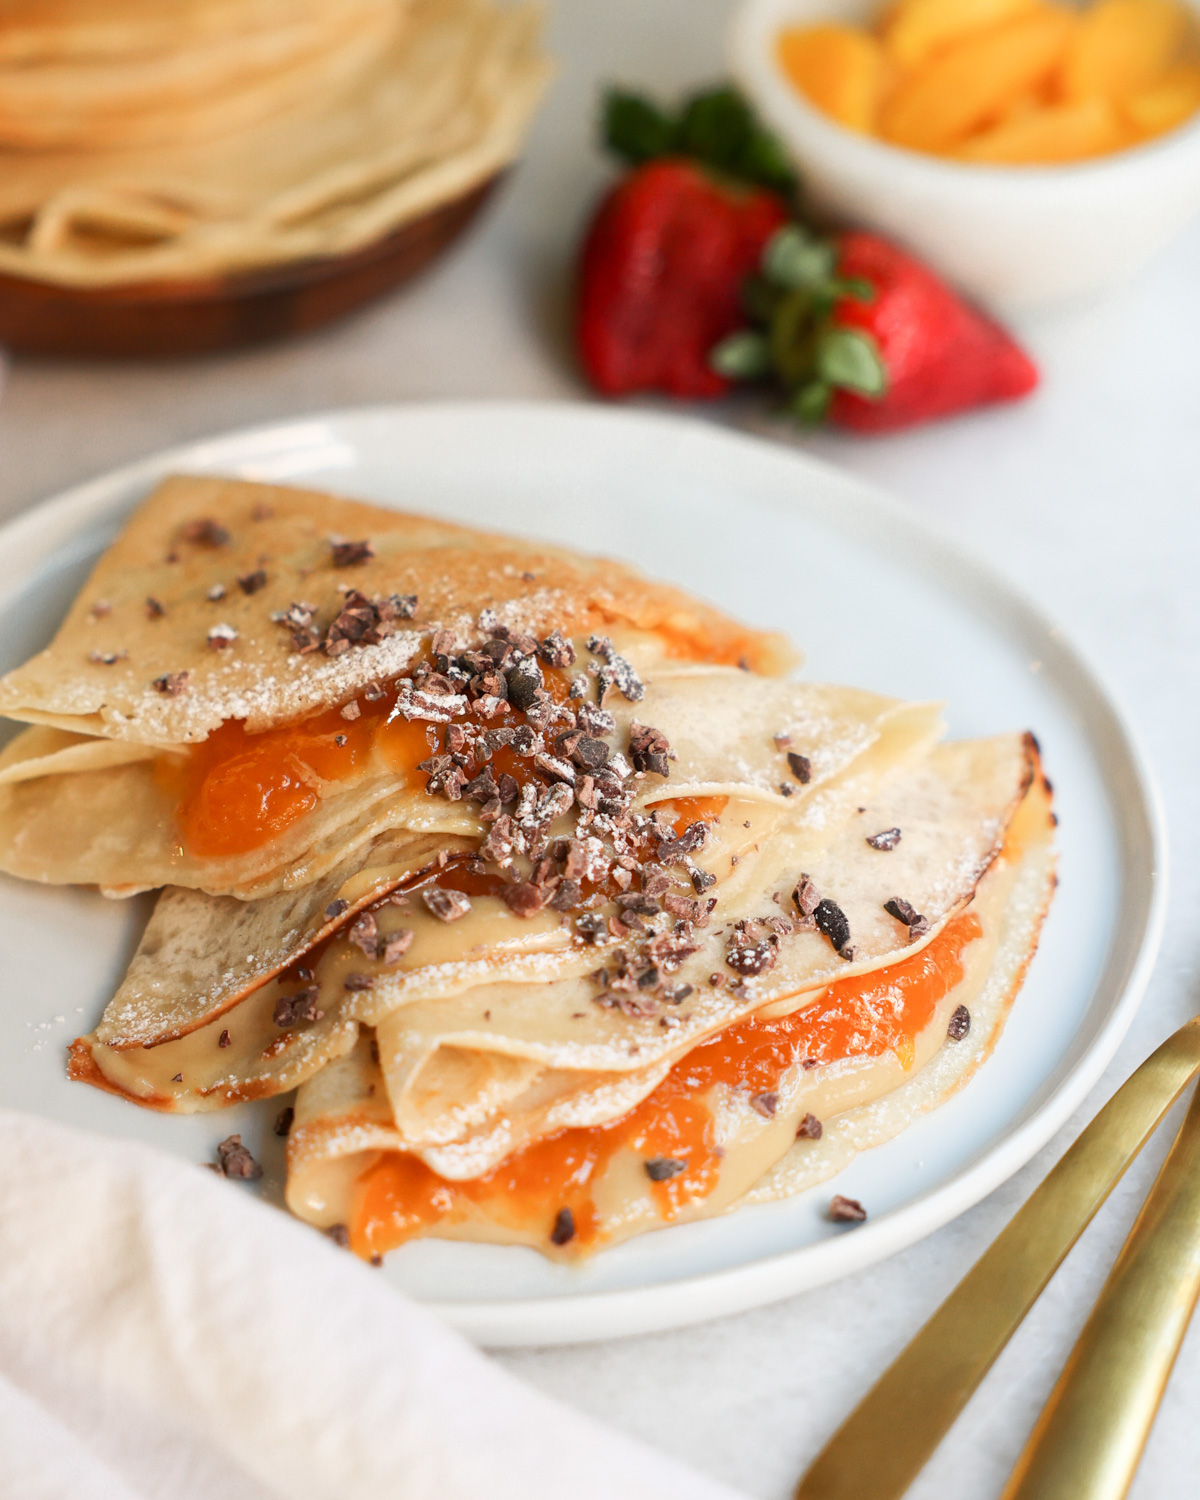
point(236, 791)
point(552, 1182)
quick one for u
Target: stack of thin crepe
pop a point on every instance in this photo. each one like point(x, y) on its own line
point(141, 141)
point(565, 912)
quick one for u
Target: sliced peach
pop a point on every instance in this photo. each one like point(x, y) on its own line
point(1051, 133)
point(1123, 47)
point(914, 29)
point(960, 90)
point(840, 69)
point(1171, 101)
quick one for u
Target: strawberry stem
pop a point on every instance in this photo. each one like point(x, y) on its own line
point(795, 338)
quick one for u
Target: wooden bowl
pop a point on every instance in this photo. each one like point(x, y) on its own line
point(162, 319)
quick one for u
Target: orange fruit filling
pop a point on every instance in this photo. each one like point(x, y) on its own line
point(400, 1197)
point(236, 791)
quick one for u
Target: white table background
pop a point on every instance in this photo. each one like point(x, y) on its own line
point(1087, 496)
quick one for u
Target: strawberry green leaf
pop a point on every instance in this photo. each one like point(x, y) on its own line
point(634, 129)
point(763, 160)
point(719, 128)
point(850, 359)
point(713, 127)
point(794, 258)
point(810, 403)
point(745, 355)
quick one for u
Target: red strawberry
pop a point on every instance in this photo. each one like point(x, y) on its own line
point(860, 333)
point(661, 276)
point(940, 355)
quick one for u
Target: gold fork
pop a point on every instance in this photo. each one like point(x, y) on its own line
point(1091, 1433)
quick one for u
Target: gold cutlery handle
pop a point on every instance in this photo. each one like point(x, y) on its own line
point(1093, 1428)
point(885, 1441)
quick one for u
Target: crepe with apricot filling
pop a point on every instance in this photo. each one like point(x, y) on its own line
point(564, 910)
point(769, 1105)
point(245, 688)
point(195, 1027)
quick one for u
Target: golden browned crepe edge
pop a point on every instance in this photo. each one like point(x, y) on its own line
point(834, 1151)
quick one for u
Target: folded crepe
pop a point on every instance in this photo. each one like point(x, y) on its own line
point(765, 1108)
point(167, 1057)
point(560, 906)
point(225, 685)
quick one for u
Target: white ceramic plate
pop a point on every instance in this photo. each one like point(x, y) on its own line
point(875, 599)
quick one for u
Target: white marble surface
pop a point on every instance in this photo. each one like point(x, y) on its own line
point(1088, 496)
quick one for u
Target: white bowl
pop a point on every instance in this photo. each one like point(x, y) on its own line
point(1012, 237)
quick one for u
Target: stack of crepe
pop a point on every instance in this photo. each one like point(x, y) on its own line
point(142, 141)
point(564, 911)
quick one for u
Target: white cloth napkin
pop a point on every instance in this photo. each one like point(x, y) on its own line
point(163, 1336)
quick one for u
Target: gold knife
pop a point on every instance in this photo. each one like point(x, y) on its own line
point(1091, 1433)
point(885, 1441)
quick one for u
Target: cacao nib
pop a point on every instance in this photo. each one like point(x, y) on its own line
point(590, 927)
point(523, 682)
point(446, 906)
point(673, 851)
point(205, 533)
point(364, 934)
point(394, 946)
point(617, 672)
point(524, 898)
point(806, 896)
point(832, 921)
point(905, 912)
point(589, 753)
point(593, 719)
point(801, 767)
point(846, 1210)
point(564, 1228)
point(351, 554)
point(290, 1010)
point(663, 1168)
point(556, 650)
point(751, 958)
point(234, 1159)
point(649, 749)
